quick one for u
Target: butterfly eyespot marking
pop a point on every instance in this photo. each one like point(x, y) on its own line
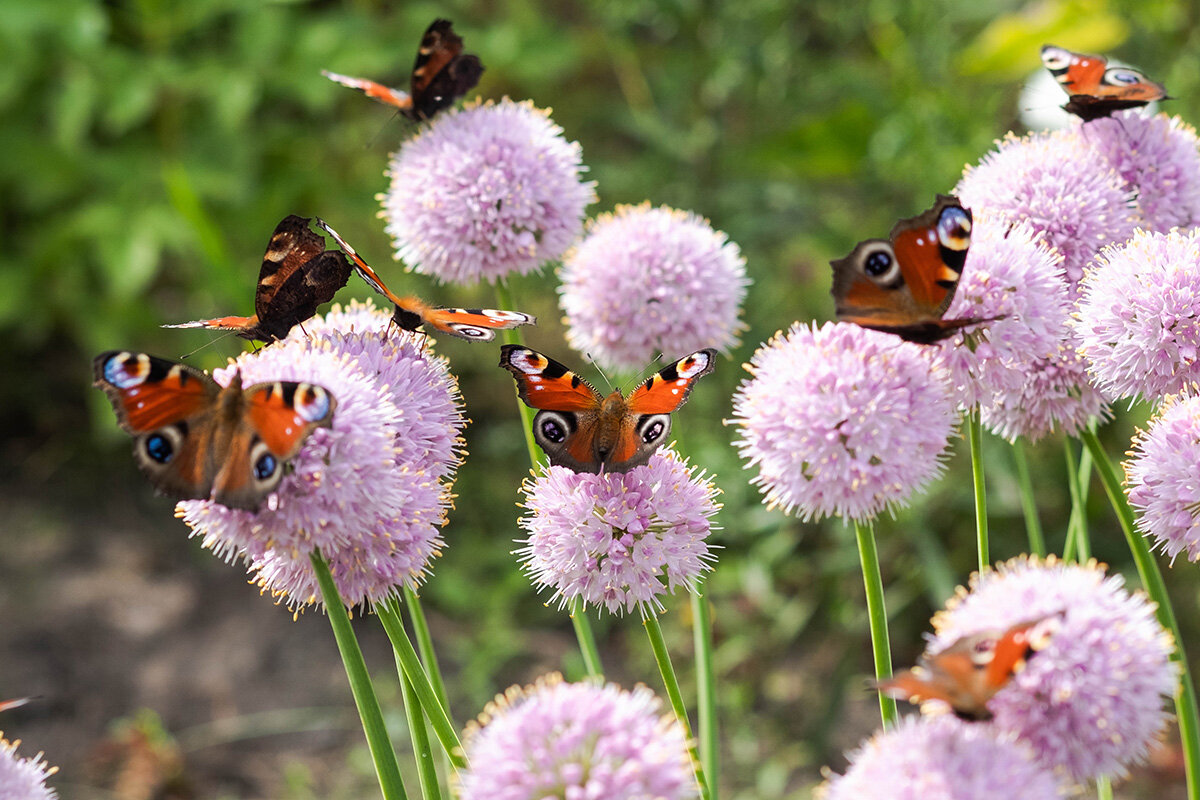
point(954, 229)
point(1124, 76)
point(653, 427)
point(552, 427)
point(878, 264)
point(126, 370)
point(159, 448)
point(472, 332)
point(1055, 57)
point(265, 466)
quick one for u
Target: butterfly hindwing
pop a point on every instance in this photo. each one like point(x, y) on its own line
point(196, 439)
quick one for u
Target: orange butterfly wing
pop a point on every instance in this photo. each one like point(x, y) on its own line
point(545, 384)
point(396, 98)
point(667, 390)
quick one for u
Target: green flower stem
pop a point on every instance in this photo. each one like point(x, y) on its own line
point(380, 745)
point(579, 619)
point(425, 646)
point(1033, 526)
point(587, 640)
point(975, 434)
point(426, 770)
point(1152, 580)
point(876, 616)
point(1078, 546)
point(1104, 788)
point(389, 615)
point(659, 646)
point(706, 687)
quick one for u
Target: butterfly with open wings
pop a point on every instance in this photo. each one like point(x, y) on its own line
point(298, 274)
point(412, 313)
point(197, 439)
point(1096, 90)
point(442, 74)
point(580, 429)
point(904, 284)
point(969, 673)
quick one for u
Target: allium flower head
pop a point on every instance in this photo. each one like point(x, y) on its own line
point(1091, 701)
point(1139, 317)
point(943, 758)
point(1079, 204)
point(371, 492)
point(485, 191)
point(651, 280)
point(576, 741)
point(613, 538)
point(842, 420)
point(1057, 394)
point(23, 778)
point(1158, 157)
point(1010, 273)
point(1164, 484)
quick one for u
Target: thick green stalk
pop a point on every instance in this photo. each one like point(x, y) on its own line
point(1078, 546)
point(876, 616)
point(443, 728)
point(975, 434)
point(1103, 788)
point(706, 688)
point(386, 768)
point(1152, 581)
point(425, 646)
point(659, 646)
point(426, 770)
point(579, 620)
point(1033, 526)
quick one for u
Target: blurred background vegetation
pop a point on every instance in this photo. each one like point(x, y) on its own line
point(149, 150)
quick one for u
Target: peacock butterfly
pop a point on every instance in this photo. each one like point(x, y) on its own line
point(1095, 89)
point(298, 274)
point(904, 284)
point(197, 439)
point(579, 429)
point(478, 324)
point(968, 673)
point(441, 74)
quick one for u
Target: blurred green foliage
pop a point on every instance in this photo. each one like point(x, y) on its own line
point(150, 148)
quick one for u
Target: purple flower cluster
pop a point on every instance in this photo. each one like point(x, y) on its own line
point(1010, 273)
point(483, 192)
point(841, 420)
point(576, 740)
point(371, 492)
point(651, 280)
point(1139, 317)
point(23, 778)
point(1056, 395)
point(1092, 701)
point(1162, 478)
point(613, 538)
point(943, 758)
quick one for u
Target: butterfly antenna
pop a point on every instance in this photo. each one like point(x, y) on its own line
point(646, 370)
point(209, 343)
point(595, 364)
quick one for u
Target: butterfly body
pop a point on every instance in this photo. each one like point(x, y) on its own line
point(298, 274)
point(1095, 90)
point(582, 430)
point(441, 74)
point(412, 313)
point(904, 284)
point(971, 670)
point(197, 439)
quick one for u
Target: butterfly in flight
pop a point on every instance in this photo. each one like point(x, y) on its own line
point(1096, 90)
point(412, 313)
point(580, 429)
point(904, 284)
point(442, 74)
point(197, 439)
point(297, 275)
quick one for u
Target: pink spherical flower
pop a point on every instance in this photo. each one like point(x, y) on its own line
point(23, 778)
point(371, 492)
point(618, 539)
point(1164, 484)
point(943, 758)
point(1010, 273)
point(1158, 157)
point(1056, 395)
point(1049, 180)
point(576, 740)
point(486, 191)
point(1139, 317)
point(1092, 701)
point(651, 280)
point(842, 420)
